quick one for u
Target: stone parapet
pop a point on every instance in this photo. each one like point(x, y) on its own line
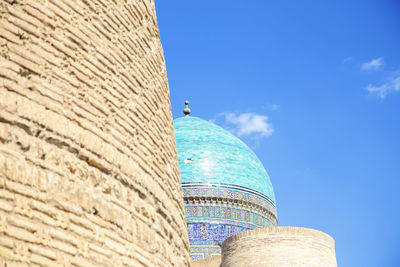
point(209, 262)
point(279, 246)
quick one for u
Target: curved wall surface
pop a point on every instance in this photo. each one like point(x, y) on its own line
point(279, 246)
point(89, 173)
point(208, 262)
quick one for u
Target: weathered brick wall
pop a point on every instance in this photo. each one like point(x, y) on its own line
point(208, 262)
point(279, 247)
point(88, 169)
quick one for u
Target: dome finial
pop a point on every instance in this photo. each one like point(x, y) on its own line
point(186, 111)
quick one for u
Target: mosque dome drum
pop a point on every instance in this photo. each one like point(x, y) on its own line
point(226, 188)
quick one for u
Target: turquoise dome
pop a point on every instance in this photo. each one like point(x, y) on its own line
point(226, 189)
point(208, 154)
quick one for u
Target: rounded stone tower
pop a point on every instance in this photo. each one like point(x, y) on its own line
point(88, 165)
point(226, 188)
point(279, 247)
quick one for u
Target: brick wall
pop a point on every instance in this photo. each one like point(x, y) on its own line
point(208, 262)
point(88, 169)
point(279, 247)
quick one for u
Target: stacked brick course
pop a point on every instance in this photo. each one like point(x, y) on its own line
point(88, 169)
point(279, 247)
point(208, 262)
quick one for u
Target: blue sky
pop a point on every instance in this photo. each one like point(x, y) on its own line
point(314, 88)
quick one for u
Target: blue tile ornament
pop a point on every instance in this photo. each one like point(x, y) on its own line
point(226, 188)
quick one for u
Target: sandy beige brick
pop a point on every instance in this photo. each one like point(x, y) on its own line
point(84, 108)
point(279, 247)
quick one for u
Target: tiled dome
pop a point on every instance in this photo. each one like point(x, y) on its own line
point(226, 188)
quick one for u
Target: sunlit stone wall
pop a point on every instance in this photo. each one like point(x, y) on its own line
point(279, 247)
point(88, 168)
point(208, 262)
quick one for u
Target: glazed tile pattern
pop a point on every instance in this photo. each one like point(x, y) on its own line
point(210, 221)
point(200, 251)
point(204, 238)
point(251, 219)
point(217, 157)
point(213, 231)
point(227, 192)
point(226, 188)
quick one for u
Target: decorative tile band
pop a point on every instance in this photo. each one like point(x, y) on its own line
point(212, 249)
point(205, 238)
point(226, 190)
point(197, 195)
point(239, 214)
point(198, 253)
point(213, 215)
point(212, 231)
